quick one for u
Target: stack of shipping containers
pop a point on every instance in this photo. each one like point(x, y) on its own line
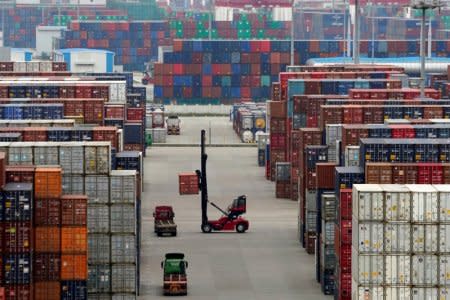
point(72, 218)
point(340, 133)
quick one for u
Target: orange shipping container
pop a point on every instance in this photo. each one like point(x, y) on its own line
point(47, 239)
point(48, 183)
point(74, 267)
point(47, 290)
point(73, 239)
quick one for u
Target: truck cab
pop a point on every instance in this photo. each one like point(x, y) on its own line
point(175, 278)
point(164, 221)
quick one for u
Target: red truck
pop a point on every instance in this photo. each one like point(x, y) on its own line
point(164, 223)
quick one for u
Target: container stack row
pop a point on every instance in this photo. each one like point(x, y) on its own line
point(103, 99)
point(249, 120)
point(44, 235)
point(225, 72)
point(112, 225)
point(133, 42)
point(333, 136)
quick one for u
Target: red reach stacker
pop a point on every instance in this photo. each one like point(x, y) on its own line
point(231, 219)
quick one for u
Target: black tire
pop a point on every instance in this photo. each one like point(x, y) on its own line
point(174, 233)
point(144, 81)
point(206, 228)
point(159, 234)
point(241, 228)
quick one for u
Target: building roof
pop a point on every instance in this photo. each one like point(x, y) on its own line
point(71, 50)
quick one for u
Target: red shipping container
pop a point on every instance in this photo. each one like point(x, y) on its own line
point(20, 173)
point(47, 290)
point(283, 190)
point(73, 210)
point(325, 175)
point(47, 212)
point(188, 183)
point(345, 204)
point(206, 80)
point(33, 134)
point(346, 232)
point(114, 111)
point(278, 140)
point(352, 114)
point(106, 134)
point(16, 237)
point(344, 286)
point(18, 292)
point(135, 114)
point(277, 109)
point(178, 69)
point(46, 266)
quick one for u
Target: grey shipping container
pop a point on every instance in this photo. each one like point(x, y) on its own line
point(123, 186)
point(99, 297)
point(71, 159)
point(124, 297)
point(99, 278)
point(46, 155)
point(123, 278)
point(98, 218)
point(99, 248)
point(73, 184)
point(97, 159)
point(20, 155)
point(328, 210)
point(97, 188)
point(123, 249)
point(327, 232)
point(123, 218)
point(283, 172)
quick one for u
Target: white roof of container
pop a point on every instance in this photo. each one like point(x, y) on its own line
point(367, 187)
point(421, 188)
point(442, 187)
point(70, 50)
point(396, 188)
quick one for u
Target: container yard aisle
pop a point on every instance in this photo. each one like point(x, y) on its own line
point(221, 131)
point(267, 262)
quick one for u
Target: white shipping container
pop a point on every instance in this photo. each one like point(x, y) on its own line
point(367, 292)
point(72, 184)
point(424, 270)
point(424, 293)
point(368, 202)
point(444, 238)
point(444, 270)
point(71, 159)
point(424, 203)
point(397, 238)
point(444, 293)
point(368, 238)
point(45, 66)
point(397, 293)
point(397, 269)
point(20, 66)
point(398, 202)
point(425, 238)
point(444, 202)
point(352, 156)
point(32, 66)
point(367, 269)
